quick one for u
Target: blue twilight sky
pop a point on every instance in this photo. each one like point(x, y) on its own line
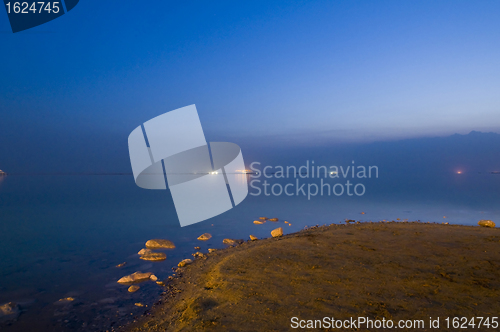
point(284, 73)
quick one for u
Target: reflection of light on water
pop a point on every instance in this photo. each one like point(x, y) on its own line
point(241, 178)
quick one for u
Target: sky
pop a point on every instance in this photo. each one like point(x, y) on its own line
point(281, 73)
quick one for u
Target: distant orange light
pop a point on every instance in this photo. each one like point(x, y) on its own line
point(459, 172)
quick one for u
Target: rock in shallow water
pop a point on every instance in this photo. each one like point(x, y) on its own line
point(277, 232)
point(133, 288)
point(65, 300)
point(154, 256)
point(253, 238)
point(145, 251)
point(135, 277)
point(185, 262)
point(9, 311)
point(259, 222)
point(486, 223)
point(160, 244)
point(205, 237)
point(274, 219)
point(232, 242)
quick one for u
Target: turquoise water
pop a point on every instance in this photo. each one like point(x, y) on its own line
point(63, 236)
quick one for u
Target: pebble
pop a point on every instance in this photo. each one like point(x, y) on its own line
point(259, 222)
point(253, 238)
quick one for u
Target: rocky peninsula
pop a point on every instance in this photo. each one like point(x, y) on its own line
point(385, 270)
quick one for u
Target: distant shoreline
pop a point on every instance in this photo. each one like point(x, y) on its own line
point(391, 270)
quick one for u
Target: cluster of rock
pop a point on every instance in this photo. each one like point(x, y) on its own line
point(275, 232)
point(148, 254)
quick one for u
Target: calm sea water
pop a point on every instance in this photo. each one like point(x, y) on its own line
point(63, 236)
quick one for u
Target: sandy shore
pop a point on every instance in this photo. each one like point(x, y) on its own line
point(396, 271)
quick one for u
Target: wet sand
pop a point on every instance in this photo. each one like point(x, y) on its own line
point(397, 271)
